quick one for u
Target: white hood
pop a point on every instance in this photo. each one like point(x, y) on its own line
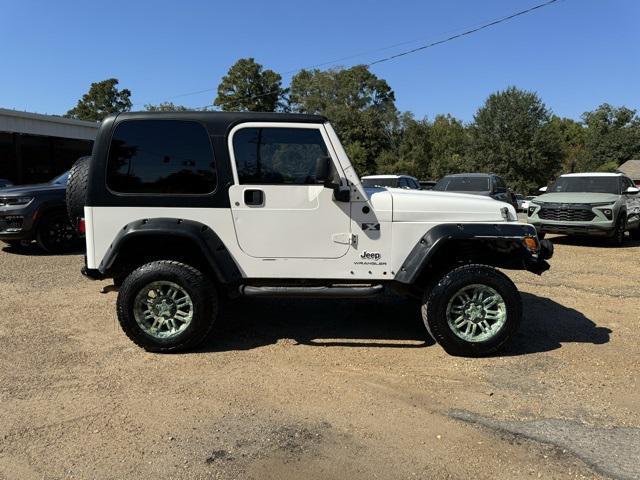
point(432, 206)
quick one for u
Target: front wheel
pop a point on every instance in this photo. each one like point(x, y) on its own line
point(472, 311)
point(167, 306)
point(56, 235)
point(617, 236)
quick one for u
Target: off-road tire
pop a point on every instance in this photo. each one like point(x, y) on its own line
point(76, 194)
point(436, 299)
point(617, 235)
point(199, 287)
point(64, 240)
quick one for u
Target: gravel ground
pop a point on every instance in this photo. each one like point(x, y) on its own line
point(322, 389)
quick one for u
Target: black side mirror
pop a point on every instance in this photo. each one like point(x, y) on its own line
point(323, 169)
point(327, 173)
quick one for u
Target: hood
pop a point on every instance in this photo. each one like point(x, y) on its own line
point(436, 206)
point(576, 197)
point(31, 189)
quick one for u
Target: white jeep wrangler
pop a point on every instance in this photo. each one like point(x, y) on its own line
point(181, 209)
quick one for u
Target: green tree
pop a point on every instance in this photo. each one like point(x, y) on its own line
point(449, 147)
point(102, 99)
point(575, 157)
point(248, 87)
point(512, 136)
point(359, 104)
point(410, 149)
point(612, 137)
point(166, 107)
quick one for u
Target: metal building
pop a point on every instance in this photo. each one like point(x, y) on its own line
point(35, 148)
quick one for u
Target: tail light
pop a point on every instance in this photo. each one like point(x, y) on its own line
point(81, 226)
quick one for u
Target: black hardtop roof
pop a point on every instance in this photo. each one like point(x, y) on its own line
point(225, 118)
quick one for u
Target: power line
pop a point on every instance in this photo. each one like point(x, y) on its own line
point(476, 28)
point(463, 34)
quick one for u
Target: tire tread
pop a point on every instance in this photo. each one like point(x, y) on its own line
point(196, 281)
point(439, 330)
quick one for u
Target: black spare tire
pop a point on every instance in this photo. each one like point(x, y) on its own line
point(77, 189)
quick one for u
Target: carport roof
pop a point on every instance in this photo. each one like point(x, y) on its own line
point(15, 121)
point(631, 168)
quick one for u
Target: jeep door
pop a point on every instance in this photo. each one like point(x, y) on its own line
point(281, 209)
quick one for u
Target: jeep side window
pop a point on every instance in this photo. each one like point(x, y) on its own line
point(161, 157)
point(278, 155)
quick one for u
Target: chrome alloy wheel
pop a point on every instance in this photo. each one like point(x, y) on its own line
point(476, 313)
point(163, 309)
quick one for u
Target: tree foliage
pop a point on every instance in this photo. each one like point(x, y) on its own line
point(512, 136)
point(248, 87)
point(166, 107)
point(575, 157)
point(612, 136)
point(359, 104)
point(102, 99)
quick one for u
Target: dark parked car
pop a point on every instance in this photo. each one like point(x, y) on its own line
point(4, 183)
point(37, 212)
point(427, 184)
point(487, 184)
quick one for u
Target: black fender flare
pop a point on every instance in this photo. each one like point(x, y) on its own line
point(504, 238)
point(211, 246)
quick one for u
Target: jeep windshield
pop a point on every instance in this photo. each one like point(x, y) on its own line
point(463, 184)
point(380, 182)
point(585, 185)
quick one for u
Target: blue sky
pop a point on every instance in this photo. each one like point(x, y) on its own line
point(576, 54)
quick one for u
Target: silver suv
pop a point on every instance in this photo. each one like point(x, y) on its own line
point(605, 204)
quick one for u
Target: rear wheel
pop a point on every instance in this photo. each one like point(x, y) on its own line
point(472, 311)
point(167, 306)
point(55, 234)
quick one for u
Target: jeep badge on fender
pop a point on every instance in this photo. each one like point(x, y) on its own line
point(241, 219)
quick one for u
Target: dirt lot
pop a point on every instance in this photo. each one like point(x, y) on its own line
point(322, 389)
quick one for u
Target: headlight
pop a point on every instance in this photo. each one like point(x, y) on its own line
point(532, 209)
point(11, 201)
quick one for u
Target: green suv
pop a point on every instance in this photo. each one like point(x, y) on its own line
point(605, 204)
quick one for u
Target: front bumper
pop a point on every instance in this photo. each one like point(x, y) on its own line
point(573, 219)
point(17, 223)
point(537, 263)
point(574, 228)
